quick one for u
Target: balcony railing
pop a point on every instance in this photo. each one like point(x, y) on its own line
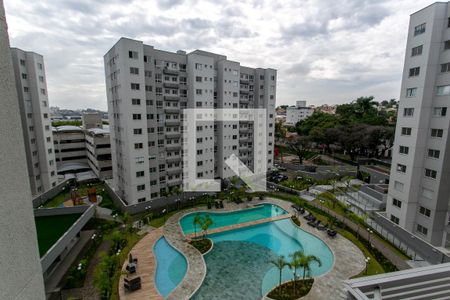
point(170, 71)
point(172, 98)
point(170, 85)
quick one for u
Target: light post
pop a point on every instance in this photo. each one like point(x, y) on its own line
point(367, 260)
point(370, 233)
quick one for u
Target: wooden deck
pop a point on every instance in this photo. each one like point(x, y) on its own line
point(241, 225)
point(146, 269)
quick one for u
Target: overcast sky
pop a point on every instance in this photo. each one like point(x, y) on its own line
point(325, 51)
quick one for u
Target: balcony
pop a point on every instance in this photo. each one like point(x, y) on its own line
point(173, 159)
point(173, 182)
point(170, 71)
point(173, 122)
point(174, 170)
point(172, 147)
point(243, 80)
point(172, 109)
point(173, 134)
point(170, 85)
point(172, 98)
point(243, 100)
point(244, 129)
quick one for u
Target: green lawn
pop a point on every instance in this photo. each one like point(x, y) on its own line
point(64, 195)
point(50, 229)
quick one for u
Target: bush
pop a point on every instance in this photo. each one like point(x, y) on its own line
point(202, 245)
point(286, 290)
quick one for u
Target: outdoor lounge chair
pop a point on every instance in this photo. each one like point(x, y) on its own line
point(322, 227)
point(132, 284)
point(314, 224)
point(331, 232)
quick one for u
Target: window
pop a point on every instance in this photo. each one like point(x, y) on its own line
point(198, 79)
point(141, 187)
point(437, 132)
point(135, 86)
point(443, 90)
point(43, 91)
point(397, 203)
point(148, 88)
point(198, 91)
point(41, 78)
point(445, 68)
point(447, 45)
point(136, 116)
point(148, 73)
point(424, 211)
point(411, 92)
point(146, 59)
point(417, 50)
point(428, 194)
point(45, 116)
point(439, 111)
point(132, 54)
point(134, 71)
point(137, 130)
point(24, 76)
point(140, 174)
point(406, 131)
point(408, 112)
point(433, 153)
point(25, 89)
point(414, 72)
point(22, 62)
point(138, 145)
point(448, 22)
point(403, 150)
point(235, 72)
point(398, 186)
point(198, 66)
point(422, 229)
point(47, 127)
point(395, 219)
point(39, 66)
point(419, 29)
point(401, 168)
point(430, 173)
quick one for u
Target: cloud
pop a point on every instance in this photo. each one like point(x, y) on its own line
point(324, 51)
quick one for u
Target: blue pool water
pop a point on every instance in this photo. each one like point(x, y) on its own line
point(229, 218)
point(230, 277)
point(171, 266)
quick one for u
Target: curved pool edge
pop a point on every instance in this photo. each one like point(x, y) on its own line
point(156, 264)
point(196, 265)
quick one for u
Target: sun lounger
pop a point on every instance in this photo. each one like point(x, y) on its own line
point(331, 233)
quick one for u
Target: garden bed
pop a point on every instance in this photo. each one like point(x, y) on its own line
point(291, 290)
point(202, 245)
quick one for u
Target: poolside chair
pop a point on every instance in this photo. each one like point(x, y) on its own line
point(331, 233)
point(322, 227)
point(132, 284)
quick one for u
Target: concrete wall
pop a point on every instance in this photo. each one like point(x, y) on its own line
point(21, 273)
point(44, 197)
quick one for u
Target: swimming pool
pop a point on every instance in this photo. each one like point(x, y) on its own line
point(239, 263)
point(171, 266)
point(230, 218)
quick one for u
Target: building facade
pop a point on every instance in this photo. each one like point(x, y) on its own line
point(70, 145)
point(31, 88)
point(296, 113)
point(148, 89)
point(21, 276)
point(419, 192)
point(98, 150)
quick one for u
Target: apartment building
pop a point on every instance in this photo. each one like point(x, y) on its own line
point(296, 113)
point(70, 145)
point(148, 89)
point(98, 150)
point(21, 276)
point(418, 198)
point(92, 120)
point(31, 85)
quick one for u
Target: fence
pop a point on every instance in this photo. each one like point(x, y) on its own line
point(44, 197)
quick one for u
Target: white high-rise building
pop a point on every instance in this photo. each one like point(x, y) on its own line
point(148, 88)
point(419, 189)
point(21, 276)
point(31, 85)
point(296, 113)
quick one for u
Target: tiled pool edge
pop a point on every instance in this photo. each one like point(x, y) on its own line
point(196, 270)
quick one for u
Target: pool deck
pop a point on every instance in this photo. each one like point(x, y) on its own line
point(241, 225)
point(348, 259)
point(146, 269)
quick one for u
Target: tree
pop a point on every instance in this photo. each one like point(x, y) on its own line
point(280, 263)
point(104, 274)
point(301, 147)
point(306, 260)
point(197, 221)
point(295, 264)
point(205, 223)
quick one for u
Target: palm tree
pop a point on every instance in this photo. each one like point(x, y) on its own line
point(197, 221)
point(205, 223)
point(306, 260)
point(295, 264)
point(280, 263)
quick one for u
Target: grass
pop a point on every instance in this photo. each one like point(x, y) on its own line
point(50, 229)
point(286, 290)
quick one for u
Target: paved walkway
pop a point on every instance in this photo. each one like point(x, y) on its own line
point(146, 269)
point(348, 261)
point(245, 224)
point(396, 259)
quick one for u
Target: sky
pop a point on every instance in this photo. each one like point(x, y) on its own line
point(325, 51)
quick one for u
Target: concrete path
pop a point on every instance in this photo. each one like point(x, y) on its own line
point(146, 269)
